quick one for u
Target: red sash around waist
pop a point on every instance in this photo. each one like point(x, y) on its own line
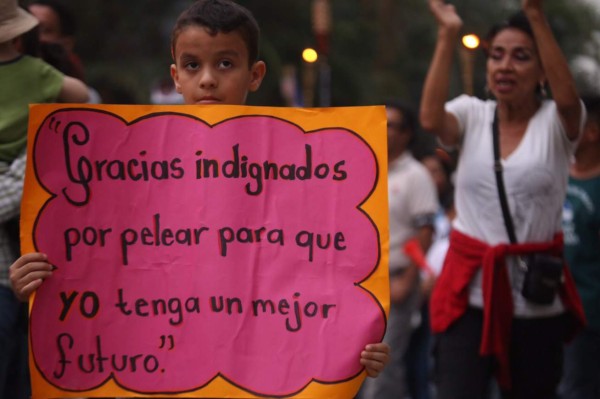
point(450, 297)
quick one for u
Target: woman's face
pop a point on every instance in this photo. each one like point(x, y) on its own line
point(514, 70)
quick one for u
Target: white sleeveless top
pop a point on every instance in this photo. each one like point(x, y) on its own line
point(535, 177)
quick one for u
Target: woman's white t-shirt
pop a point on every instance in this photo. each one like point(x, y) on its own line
point(535, 176)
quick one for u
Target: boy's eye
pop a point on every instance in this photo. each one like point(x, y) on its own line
point(191, 65)
point(225, 64)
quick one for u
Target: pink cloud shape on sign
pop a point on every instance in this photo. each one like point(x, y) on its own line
point(172, 277)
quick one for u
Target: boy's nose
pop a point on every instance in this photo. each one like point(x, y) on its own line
point(208, 80)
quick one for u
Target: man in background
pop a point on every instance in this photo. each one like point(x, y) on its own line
point(581, 226)
point(412, 207)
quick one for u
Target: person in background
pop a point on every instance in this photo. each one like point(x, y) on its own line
point(440, 165)
point(214, 46)
point(57, 37)
point(412, 206)
point(418, 357)
point(26, 80)
point(53, 53)
point(484, 325)
point(163, 92)
point(58, 26)
point(581, 226)
point(23, 80)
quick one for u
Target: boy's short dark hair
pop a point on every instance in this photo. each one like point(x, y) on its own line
point(220, 16)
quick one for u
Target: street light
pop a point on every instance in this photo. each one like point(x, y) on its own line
point(470, 42)
point(310, 55)
point(309, 77)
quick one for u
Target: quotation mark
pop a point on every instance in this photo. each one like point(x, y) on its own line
point(54, 124)
point(163, 341)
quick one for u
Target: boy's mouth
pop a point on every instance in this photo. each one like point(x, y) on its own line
point(208, 100)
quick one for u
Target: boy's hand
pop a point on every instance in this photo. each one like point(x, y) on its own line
point(27, 273)
point(375, 357)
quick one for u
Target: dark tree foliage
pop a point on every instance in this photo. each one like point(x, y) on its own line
point(378, 48)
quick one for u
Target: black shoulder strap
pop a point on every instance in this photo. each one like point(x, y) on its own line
point(510, 229)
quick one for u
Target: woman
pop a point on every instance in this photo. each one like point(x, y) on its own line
point(483, 324)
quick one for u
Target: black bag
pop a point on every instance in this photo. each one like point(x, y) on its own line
point(543, 272)
point(543, 276)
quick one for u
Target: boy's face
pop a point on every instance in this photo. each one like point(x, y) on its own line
point(214, 69)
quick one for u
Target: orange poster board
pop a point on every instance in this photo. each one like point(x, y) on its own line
point(206, 251)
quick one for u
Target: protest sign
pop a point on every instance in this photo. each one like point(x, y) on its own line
point(205, 251)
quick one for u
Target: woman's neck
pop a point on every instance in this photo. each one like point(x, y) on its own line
point(516, 112)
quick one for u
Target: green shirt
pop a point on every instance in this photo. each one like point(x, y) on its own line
point(581, 227)
point(23, 81)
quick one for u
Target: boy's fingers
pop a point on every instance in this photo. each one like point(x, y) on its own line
point(27, 262)
point(377, 356)
point(26, 286)
point(27, 273)
point(24, 293)
point(372, 367)
point(380, 347)
point(30, 257)
point(23, 271)
point(374, 358)
point(35, 275)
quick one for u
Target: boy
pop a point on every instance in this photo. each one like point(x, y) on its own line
point(215, 49)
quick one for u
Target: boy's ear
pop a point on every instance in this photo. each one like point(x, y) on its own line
point(175, 77)
point(258, 71)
